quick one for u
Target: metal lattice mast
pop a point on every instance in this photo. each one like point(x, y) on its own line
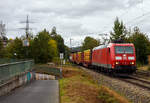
point(2, 30)
point(27, 27)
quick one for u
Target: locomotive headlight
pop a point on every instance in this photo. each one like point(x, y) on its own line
point(117, 62)
point(130, 58)
point(118, 58)
point(132, 63)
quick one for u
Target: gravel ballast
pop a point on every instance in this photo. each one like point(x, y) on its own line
point(132, 92)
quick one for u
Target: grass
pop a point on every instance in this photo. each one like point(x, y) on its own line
point(148, 68)
point(109, 96)
point(62, 84)
point(144, 67)
point(106, 97)
point(78, 87)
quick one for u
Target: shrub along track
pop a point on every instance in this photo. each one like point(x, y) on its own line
point(138, 91)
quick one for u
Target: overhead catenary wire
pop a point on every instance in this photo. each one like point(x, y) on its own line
point(140, 16)
point(137, 18)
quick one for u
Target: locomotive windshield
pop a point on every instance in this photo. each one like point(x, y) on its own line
point(123, 49)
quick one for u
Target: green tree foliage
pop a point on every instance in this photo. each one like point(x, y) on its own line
point(89, 43)
point(67, 52)
point(15, 49)
point(44, 49)
point(142, 45)
point(40, 50)
point(60, 43)
point(1, 48)
point(53, 49)
point(58, 39)
point(119, 31)
point(53, 32)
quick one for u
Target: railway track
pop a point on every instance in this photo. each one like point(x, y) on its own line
point(145, 84)
point(134, 88)
point(143, 73)
point(134, 79)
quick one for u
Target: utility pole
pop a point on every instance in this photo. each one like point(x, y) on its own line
point(27, 27)
point(71, 43)
point(28, 35)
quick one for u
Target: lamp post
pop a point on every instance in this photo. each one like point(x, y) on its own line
point(15, 54)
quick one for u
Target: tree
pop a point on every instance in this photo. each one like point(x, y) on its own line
point(1, 48)
point(53, 32)
point(44, 48)
point(60, 43)
point(40, 50)
point(58, 39)
point(89, 43)
point(119, 31)
point(142, 45)
point(67, 52)
point(53, 49)
point(15, 49)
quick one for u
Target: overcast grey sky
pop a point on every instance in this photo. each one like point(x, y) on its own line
point(74, 18)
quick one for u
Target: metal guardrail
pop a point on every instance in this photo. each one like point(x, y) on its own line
point(8, 60)
point(10, 70)
point(48, 70)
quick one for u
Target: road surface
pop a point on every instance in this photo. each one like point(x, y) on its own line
point(39, 91)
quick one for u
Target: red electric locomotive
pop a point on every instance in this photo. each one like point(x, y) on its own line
point(115, 57)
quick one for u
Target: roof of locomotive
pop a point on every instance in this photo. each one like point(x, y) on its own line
point(100, 47)
point(112, 44)
point(121, 44)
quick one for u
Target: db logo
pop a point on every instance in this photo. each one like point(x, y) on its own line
point(124, 57)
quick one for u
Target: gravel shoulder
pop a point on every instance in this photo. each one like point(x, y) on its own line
point(132, 92)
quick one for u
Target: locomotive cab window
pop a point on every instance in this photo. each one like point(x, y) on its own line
point(123, 49)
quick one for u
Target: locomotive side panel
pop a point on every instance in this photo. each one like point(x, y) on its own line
point(102, 58)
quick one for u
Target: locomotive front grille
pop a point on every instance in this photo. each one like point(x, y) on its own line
point(125, 68)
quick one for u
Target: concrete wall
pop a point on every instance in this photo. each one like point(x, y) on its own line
point(16, 82)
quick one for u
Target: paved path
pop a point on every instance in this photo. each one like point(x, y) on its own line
point(39, 91)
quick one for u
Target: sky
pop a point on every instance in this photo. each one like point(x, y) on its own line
point(74, 19)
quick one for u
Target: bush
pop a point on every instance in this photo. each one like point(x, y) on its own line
point(56, 60)
point(148, 68)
